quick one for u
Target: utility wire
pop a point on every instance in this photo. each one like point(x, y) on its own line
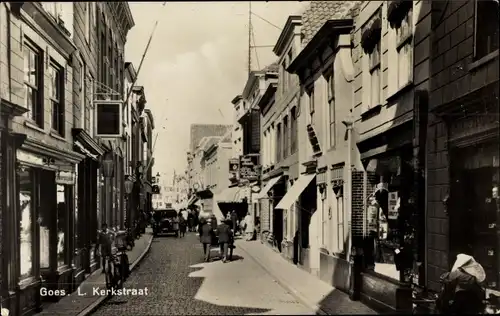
point(270, 23)
point(255, 49)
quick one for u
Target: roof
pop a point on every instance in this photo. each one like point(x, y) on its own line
point(198, 131)
point(318, 12)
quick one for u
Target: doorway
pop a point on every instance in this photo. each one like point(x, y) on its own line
point(279, 191)
point(474, 223)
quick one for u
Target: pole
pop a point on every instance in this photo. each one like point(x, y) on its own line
point(249, 37)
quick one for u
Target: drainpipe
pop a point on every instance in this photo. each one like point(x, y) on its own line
point(352, 253)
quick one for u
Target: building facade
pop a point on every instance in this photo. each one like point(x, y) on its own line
point(281, 128)
point(462, 137)
point(326, 73)
point(148, 159)
point(37, 154)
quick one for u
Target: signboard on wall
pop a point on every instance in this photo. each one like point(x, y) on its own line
point(393, 205)
point(234, 168)
point(249, 167)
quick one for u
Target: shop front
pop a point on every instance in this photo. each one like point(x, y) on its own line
point(300, 199)
point(232, 199)
point(86, 205)
point(41, 224)
point(265, 200)
point(388, 246)
point(472, 204)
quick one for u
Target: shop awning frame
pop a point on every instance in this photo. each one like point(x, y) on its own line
point(295, 191)
point(231, 195)
point(269, 185)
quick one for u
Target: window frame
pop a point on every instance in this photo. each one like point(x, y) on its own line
point(91, 106)
point(332, 127)
point(87, 21)
point(286, 126)
point(404, 40)
point(35, 111)
point(312, 105)
point(58, 99)
point(476, 38)
point(374, 67)
point(35, 204)
point(278, 142)
point(293, 130)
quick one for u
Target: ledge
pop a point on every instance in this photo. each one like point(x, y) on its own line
point(11, 109)
point(483, 61)
point(33, 126)
point(56, 135)
point(405, 88)
point(371, 112)
point(34, 145)
point(28, 282)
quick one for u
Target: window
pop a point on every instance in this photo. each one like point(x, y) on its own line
point(27, 208)
point(486, 32)
point(340, 222)
point(374, 64)
point(87, 16)
point(56, 87)
point(278, 142)
point(83, 97)
point(404, 35)
point(293, 130)
point(285, 137)
point(290, 58)
point(311, 104)
point(331, 109)
point(326, 209)
point(33, 84)
point(284, 82)
point(91, 116)
point(264, 149)
point(104, 65)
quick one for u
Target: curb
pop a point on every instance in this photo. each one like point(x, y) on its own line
point(284, 284)
point(94, 306)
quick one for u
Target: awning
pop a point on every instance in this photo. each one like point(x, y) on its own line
point(192, 200)
point(269, 185)
point(231, 195)
point(295, 191)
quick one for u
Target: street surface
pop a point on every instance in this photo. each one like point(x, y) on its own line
point(179, 283)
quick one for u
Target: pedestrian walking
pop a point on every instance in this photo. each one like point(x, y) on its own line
point(224, 234)
point(206, 234)
point(249, 229)
point(182, 226)
point(105, 243)
point(234, 221)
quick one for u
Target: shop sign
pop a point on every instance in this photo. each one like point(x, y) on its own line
point(249, 167)
point(29, 158)
point(393, 205)
point(64, 177)
point(234, 168)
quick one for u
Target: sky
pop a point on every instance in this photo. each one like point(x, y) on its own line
point(197, 63)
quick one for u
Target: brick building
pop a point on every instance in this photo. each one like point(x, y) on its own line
point(463, 143)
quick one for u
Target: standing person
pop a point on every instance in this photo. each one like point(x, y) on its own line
point(249, 227)
point(182, 226)
point(105, 242)
point(224, 233)
point(191, 221)
point(234, 221)
point(206, 232)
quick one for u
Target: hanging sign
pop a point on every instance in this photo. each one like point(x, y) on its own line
point(394, 202)
point(234, 168)
point(249, 167)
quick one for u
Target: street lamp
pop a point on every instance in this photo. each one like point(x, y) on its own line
point(107, 165)
point(129, 187)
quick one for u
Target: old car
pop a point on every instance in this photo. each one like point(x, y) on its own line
point(166, 221)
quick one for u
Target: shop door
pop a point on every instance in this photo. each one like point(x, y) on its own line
point(473, 220)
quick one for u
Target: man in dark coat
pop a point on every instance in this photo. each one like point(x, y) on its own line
point(234, 221)
point(206, 234)
point(106, 242)
point(224, 233)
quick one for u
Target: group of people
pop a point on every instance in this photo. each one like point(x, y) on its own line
point(222, 235)
point(188, 220)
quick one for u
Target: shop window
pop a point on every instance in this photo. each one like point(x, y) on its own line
point(33, 83)
point(385, 221)
point(27, 202)
point(486, 32)
point(62, 207)
point(56, 95)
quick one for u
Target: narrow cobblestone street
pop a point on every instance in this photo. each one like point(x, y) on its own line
point(180, 284)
